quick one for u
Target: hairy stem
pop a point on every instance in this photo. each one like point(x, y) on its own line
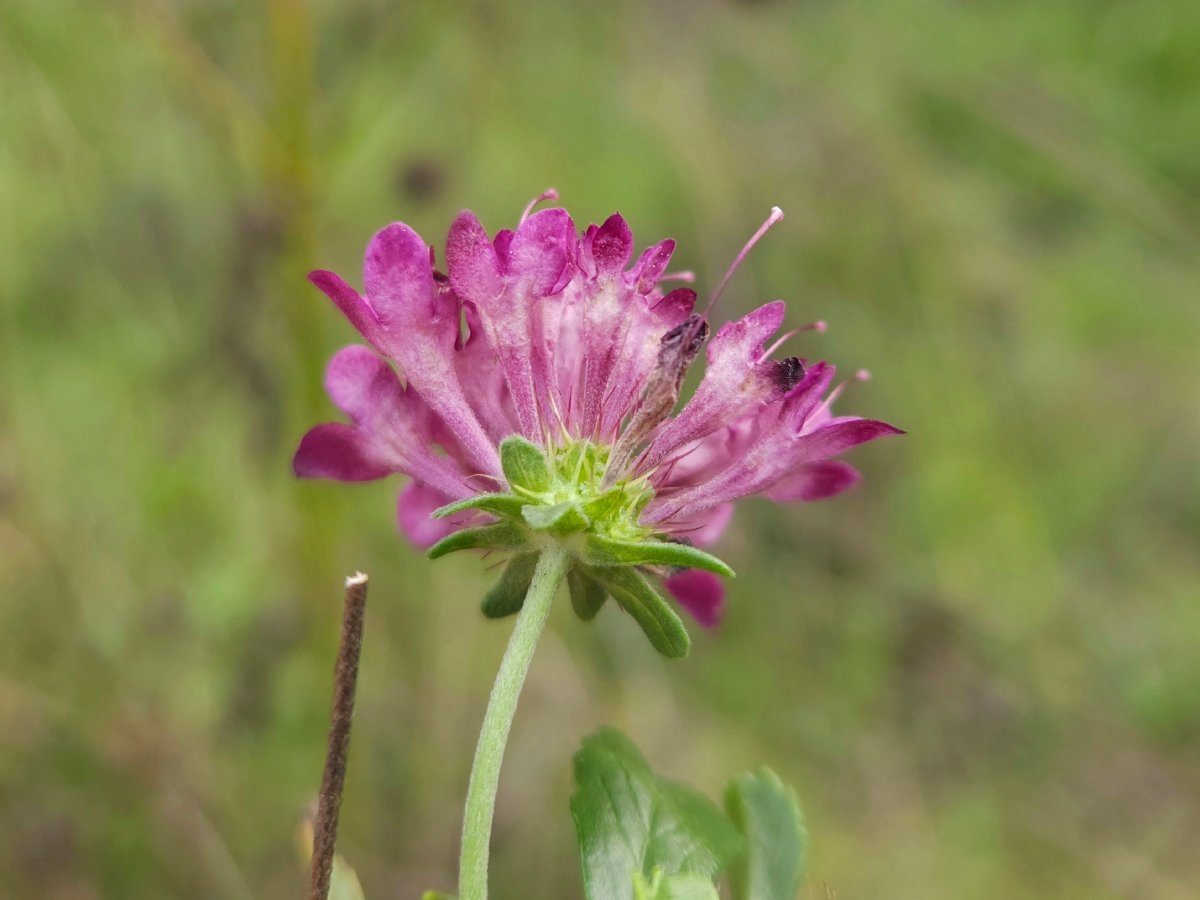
point(345, 681)
point(497, 722)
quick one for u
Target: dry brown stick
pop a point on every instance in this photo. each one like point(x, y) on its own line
point(345, 678)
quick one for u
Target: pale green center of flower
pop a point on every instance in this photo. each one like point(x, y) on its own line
point(565, 492)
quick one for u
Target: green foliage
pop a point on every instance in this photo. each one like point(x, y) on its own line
point(629, 821)
point(637, 596)
point(525, 465)
point(560, 519)
point(507, 596)
point(504, 505)
point(504, 535)
point(767, 814)
point(673, 887)
point(587, 594)
point(602, 551)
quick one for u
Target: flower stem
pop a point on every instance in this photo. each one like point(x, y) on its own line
point(497, 722)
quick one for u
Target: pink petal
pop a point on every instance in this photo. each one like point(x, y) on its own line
point(413, 515)
point(419, 328)
point(472, 261)
point(700, 593)
point(348, 300)
point(815, 481)
point(612, 246)
point(511, 309)
point(650, 265)
point(340, 452)
point(540, 251)
point(734, 380)
point(357, 380)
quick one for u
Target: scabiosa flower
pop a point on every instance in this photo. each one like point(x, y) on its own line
point(540, 374)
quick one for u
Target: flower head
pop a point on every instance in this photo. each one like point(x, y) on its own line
point(540, 374)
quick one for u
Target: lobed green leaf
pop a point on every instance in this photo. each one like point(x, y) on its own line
point(630, 821)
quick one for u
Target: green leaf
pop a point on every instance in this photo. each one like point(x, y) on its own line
point(437, 895)
point(560, 519)
point(631, 821)
point(501, 536)
point(677, 887)
point(508, 594)
point(635, 595)
point(505, 505)
point(767, 814)
point(587, 594)
point(524, 464)
point(603, 551)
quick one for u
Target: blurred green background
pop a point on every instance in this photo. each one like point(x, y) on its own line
point(981, 669)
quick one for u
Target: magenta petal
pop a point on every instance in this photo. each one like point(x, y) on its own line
point(700, 593)
point(337, 451)
point(359, 382)
point(472, 261)
point(712, 524)
point(815, 481)
point(398, 278)
point(735, 380)
point(650, 265)
point(414, 509)
point(348, 300)
point(540, 251)
point(612, 246)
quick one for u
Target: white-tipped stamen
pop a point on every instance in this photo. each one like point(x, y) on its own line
point(775, 216)
point(547, 194)
point(686, 276)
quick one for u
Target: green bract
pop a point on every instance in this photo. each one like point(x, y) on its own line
point(566, 500)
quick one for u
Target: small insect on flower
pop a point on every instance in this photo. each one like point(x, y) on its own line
point(540, 374)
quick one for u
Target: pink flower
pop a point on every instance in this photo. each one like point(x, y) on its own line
point(545, 344)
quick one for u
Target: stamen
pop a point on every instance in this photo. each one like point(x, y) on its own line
point(686, 276)
point(775, 216)
point(860, 376)
point(818, 326)
point(775, 346)
point(547, 194)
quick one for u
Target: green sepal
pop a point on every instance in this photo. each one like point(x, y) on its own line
point(587, 594)
point(767, 814)
point(635, 595)
point(507, 596)
point(629, 820)
point(500, 536)
point(560, 519)
point(507, 506)
point(525, 465)
point(601, 551)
